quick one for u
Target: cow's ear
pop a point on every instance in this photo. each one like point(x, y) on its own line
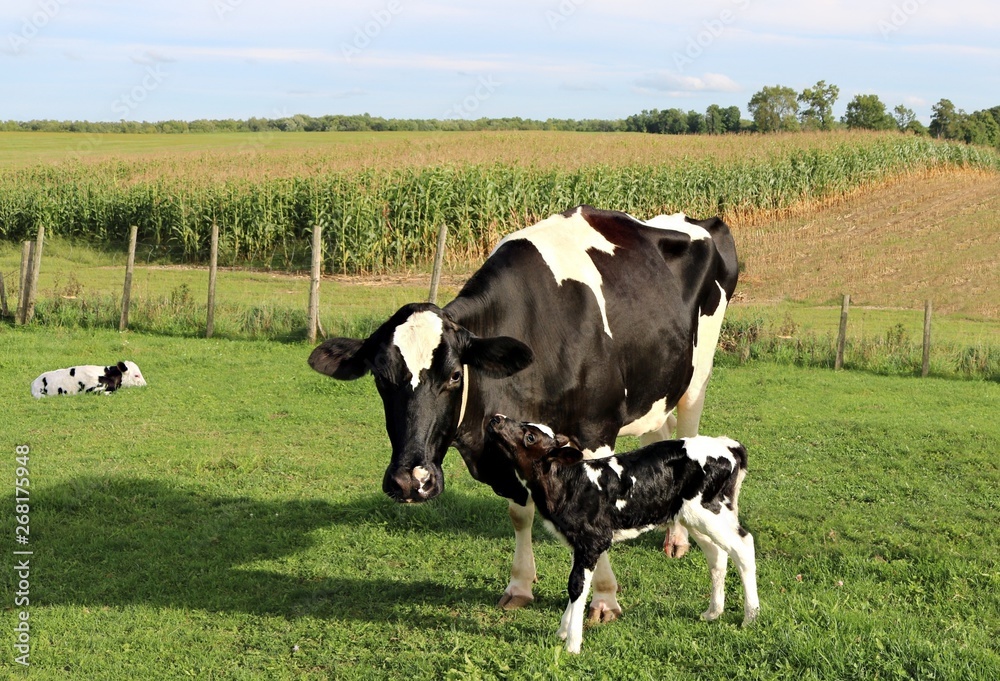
point(498, 357)
point(122, 367)
point(567, 456)
point(340, 358)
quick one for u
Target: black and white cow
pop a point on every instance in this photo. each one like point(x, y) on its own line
point(694, 481)
point(88, 378)
point(591, 321)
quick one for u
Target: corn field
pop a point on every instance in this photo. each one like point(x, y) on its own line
point(381, 219)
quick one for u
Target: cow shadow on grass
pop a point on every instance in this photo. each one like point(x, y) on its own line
point(121, 541)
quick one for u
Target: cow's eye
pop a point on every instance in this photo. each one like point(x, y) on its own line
point(456, 376)
point(529, 439)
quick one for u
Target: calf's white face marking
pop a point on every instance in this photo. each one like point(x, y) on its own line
point(417, 338)
point(563, 243)
point(545, 429)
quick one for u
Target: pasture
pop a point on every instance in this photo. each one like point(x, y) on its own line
point(226, 522)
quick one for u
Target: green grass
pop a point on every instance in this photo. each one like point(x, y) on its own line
point(226, 522)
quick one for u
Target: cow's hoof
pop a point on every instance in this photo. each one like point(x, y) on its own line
point(602, 612)
point(750, 617)
point(514, 601)
point(674, 548)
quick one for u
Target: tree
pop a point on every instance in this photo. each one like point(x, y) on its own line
point(819, 100)
point(868, 112)
point(945, 120)
point(696, 123)
point(714, 122)
point(731, 118)
point(904, 116)
point(774, 108)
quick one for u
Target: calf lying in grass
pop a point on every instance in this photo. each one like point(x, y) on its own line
point(590, 504)
point(87, 379)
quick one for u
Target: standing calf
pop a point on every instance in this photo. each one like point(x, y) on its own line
point(590, 504)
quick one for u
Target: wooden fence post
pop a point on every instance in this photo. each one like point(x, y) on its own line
point(926, 368)
point(27, 248)
point(213, 267)
point(36, 267)
point(438, 262)
point(842, 335)
point(129, 266)
point(4, 312)
point(317, 262)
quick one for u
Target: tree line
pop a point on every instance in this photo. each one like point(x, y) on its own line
point(774, 108)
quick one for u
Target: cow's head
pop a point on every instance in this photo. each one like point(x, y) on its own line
point(419, 359)
point(528, 444)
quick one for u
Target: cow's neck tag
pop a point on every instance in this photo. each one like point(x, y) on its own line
point(465, 392)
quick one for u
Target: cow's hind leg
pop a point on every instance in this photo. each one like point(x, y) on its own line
point(522, 571)
point(604, 606)
point(676, 543)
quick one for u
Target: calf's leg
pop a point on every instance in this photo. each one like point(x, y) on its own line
point(522, 571)
point(717, 560)
point(580, 576)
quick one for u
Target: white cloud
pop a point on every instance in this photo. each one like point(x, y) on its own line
point(674, 83)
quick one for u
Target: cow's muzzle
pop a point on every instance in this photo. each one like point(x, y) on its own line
point(413, 485)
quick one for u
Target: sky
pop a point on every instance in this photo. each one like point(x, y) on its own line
point(108, 60)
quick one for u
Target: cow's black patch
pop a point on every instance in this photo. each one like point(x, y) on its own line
point(72, 372)
point(45, 381)
point(82, 385)
point(61, 391)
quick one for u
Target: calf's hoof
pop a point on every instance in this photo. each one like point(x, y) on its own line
point(711, 615)
point(514, 601)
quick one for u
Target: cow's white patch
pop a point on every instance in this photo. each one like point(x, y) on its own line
point(615, 466)
point(417, 338)
point(621, 504)
point(678, 223)
point(631, 533)
point(702, 448)
point(563, 243)
point(709, 327)
point(651, 421)
point(594, 474)
point(545, 429)
point(600, 453)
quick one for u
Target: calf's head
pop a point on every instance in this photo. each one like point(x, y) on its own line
point(420, 359)
point(529, 444)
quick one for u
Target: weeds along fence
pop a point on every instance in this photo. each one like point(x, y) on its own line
point(379, 220)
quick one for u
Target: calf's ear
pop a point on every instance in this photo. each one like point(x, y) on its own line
point(340, 358)
point(122, 367)
point(562, 440)
point(498, 357)
point(567, 456)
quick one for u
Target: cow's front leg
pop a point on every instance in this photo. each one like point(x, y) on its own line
point(604, 607)
point(522, 572)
